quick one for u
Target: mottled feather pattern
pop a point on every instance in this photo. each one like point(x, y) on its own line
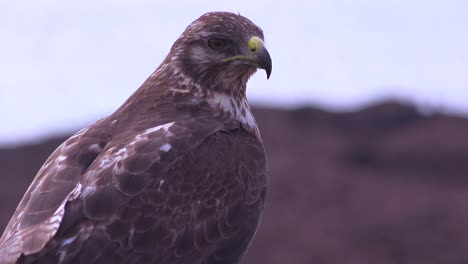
point(183, 214)
point(176, 175)
point(39, 214)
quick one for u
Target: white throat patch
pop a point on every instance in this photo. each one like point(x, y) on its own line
point(239, 111)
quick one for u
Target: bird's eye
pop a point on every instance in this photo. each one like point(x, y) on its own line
point(217, 43)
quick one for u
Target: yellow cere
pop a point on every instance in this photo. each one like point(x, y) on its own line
point(255, 44)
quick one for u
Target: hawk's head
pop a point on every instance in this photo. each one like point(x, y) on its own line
point(220, 51)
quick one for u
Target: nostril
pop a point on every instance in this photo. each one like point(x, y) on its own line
point(253, 49)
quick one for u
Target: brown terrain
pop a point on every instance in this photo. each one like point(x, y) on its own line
point(385, 184)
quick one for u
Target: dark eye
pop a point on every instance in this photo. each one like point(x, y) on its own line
point(217, 43)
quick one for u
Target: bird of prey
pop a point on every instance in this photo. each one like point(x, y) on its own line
point(177, 174)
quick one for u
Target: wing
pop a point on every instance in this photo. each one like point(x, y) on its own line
point(177, 193)
point(98, 179)
point(41, 209)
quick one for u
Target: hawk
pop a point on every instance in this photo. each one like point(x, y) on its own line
point(177, 174)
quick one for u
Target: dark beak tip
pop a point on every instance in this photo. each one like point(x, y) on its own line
point(263, 60)
point(266, 62)
point(268, 73)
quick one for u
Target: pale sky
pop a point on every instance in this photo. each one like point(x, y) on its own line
point(65, 64)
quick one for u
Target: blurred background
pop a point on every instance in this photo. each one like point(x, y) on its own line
point(365, 117)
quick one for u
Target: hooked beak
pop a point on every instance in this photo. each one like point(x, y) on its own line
point(263, 60)
point(258, 55)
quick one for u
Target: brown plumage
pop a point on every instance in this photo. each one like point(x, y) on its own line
point(177, 174)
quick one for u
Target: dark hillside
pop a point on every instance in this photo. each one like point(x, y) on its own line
point(385, 184)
